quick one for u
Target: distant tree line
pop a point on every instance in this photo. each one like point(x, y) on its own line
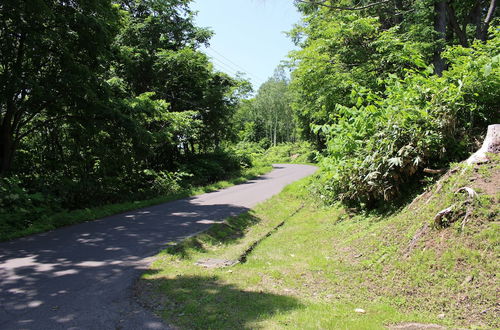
point(268, 118)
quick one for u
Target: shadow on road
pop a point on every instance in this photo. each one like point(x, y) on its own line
point(80, 277)
point(48, 280)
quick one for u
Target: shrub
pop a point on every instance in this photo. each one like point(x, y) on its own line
point(290, 152)
point(384, 142)
point(162, 182)
point(19, 208)
point(212, 167)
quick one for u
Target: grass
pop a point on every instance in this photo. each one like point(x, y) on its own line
point(323, 263)
point(67, 218)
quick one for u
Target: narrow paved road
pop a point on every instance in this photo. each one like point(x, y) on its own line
point(80, 277)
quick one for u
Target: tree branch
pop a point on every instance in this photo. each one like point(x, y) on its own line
point(487, 20)
point(323, 4)
point(37, 126)
point(456, 27)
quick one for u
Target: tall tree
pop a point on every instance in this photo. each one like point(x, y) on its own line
point(269, 115)
point(52, 56)
point(154, 29)
point(383, 97)
point(351, 44)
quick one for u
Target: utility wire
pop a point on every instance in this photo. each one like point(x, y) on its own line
point(198, 106)
point(230, 63)
point(234, 64)
point(222, 65)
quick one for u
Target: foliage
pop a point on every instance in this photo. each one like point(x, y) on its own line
point(422, 121)
point(384, 98)
point(19, 208)
point(252, 151)
point(109, 101)
point(291, 152)
point(268, 116)
point(24, 218)
point(212, 167)
point(298, 152)
point(53, 55)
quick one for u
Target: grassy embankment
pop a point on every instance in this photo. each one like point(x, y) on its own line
point(53, 221)
point(323, 263)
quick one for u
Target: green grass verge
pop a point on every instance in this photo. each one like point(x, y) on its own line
point(53, 221)
point(324, 263)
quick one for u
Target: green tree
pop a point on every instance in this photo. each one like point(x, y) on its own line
point(102, 100)
point(269, 115)
point(376, 89)
point(52, 58)
point(159, 53)
point(348, 45)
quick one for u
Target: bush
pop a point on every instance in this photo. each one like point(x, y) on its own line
point(383, 143)
point(211, 167)
point(162, 182)
point(19, 208)
point(290, 152)
point(249, 152)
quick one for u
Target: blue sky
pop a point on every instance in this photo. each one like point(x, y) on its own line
point(248, 34)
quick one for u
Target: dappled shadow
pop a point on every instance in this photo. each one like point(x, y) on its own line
point(203, 302)
point(79, 276)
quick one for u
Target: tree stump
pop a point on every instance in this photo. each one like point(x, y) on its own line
point(491, 144)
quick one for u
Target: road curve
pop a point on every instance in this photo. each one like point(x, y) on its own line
point(80, 277)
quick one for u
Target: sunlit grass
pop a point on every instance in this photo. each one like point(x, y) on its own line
point(313, 272)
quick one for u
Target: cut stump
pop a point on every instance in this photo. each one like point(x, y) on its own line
point(491, 144)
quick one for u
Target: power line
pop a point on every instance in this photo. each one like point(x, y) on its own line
point(235, 64)
point(232, 65)
point(223, 65)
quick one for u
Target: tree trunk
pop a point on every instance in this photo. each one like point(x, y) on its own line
point(275, 131)
point(193, 148)
point(491, 144)
point(475, 18)
point(271, 132)
point(440, 22)
point(452, 17)
point(399, 17)
point(7, 138)
point(6, 147)
point(487, 20)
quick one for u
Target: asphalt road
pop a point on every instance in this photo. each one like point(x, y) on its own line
point(81, 277)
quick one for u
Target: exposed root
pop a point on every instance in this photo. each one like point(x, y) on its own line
point(448, 212)
point(470, 205)
point(438, 218)
point(471, 192)
point(446, 216)
point(433, 171)
point(421, 232)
